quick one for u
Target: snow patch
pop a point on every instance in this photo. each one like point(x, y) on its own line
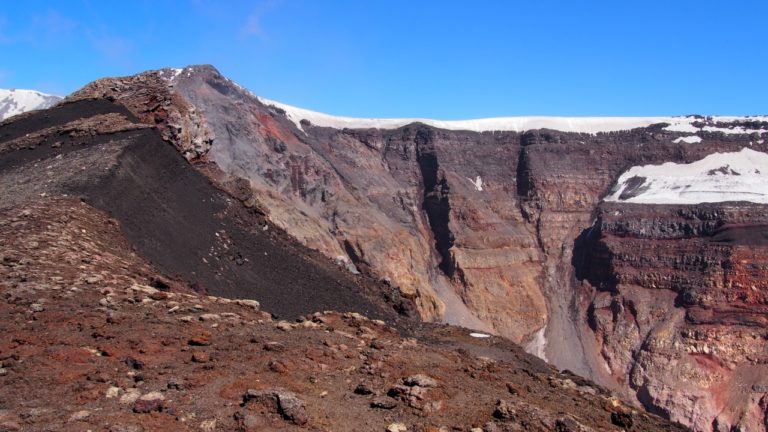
point(685, 124)
point(346, 263)
point(479, 335)
point(538, 345)
point(170, 74)
point(735, 176)
point(693, 139)
point(590, 125)
point(477, 183)
point(17, 101)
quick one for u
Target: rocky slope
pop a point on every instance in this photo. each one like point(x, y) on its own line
point(17, 101)
point(87, 344)
point(109, 244)
point(480, 228)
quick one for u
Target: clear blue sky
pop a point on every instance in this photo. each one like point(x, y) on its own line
point(390, 58)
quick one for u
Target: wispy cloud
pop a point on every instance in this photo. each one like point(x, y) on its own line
point(113, 47)
point(50, 28)
point(253, 26)
point(4, 36)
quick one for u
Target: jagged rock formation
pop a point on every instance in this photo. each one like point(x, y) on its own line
point(17, 101)
point(481, 228)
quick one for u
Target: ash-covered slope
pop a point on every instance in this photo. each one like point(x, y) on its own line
point(171, 214)
point(496, 229)
point(17, 101)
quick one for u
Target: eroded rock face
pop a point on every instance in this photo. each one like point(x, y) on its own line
point(681, 307)
point(505, 232)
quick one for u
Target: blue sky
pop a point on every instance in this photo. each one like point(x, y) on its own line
point(436, 59)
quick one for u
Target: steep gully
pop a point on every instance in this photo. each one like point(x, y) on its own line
point(568, 352)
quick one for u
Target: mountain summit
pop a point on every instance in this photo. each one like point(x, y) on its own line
point(17, 101)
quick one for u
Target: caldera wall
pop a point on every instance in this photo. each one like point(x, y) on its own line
point(506, 232)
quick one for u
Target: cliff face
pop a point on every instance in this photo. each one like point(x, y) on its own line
point(506, 232)
point(680, 307)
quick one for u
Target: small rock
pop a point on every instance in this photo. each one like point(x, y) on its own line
point(149, 402)
point(3, 371)
point(420, 380)
point(278, 366)
point(274, 346)
point(208, 425)
point(622, 419)
point(249, 303)
point(112, 392)
point(398, 390)
point(287, 404)
point(131, 395)
point(382, 402)
point(201, 357)
point(36, 307)
point(364, 388)
point(397, 427)
point(203, 339)
point(377, 344)
point(175, 384)
point(106, 302)
point(134, 363)
point(504, 410)
point(158, 295)
point(210, 317)
point(284, 326)
point(155, 395)
point(90, 280)
point(80, 416)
